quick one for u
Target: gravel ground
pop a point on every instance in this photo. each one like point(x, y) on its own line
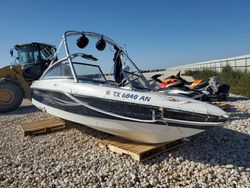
point(71, 158)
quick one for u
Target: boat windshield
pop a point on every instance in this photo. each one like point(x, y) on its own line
point(132, 74)
point(61, 70)
point(84, 72)
point(88, 72)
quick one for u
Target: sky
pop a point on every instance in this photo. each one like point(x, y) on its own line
point(157, 34)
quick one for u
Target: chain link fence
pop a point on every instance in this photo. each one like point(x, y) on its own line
point(240, 63)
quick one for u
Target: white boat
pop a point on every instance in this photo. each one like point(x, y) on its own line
point(127, 106)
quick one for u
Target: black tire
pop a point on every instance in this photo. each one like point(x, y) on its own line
point(11, 96)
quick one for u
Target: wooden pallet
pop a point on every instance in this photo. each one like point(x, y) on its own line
point(224, 106)
point(137, 151)
point(42, 126)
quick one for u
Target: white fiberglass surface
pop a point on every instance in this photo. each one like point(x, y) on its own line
point(109, 92)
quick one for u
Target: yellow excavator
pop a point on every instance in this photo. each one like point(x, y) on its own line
point(31, 61)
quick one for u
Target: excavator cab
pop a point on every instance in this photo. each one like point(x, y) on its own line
point(34, 58)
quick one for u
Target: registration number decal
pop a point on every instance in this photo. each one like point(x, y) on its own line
point(125, 95)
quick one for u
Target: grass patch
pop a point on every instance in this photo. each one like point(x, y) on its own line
point(239, 81)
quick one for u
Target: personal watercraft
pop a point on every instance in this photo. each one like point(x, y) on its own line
point(207, 90)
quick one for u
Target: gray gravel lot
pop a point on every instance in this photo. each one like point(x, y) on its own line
point(71, 158)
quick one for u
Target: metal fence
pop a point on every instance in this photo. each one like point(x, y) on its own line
point(239, 63)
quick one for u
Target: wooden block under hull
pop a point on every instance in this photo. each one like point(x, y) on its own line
point(42, 126)
point(137, 151)
point(223, 106)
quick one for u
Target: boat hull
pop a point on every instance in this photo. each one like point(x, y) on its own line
point(147, 117)
point(135, 131)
